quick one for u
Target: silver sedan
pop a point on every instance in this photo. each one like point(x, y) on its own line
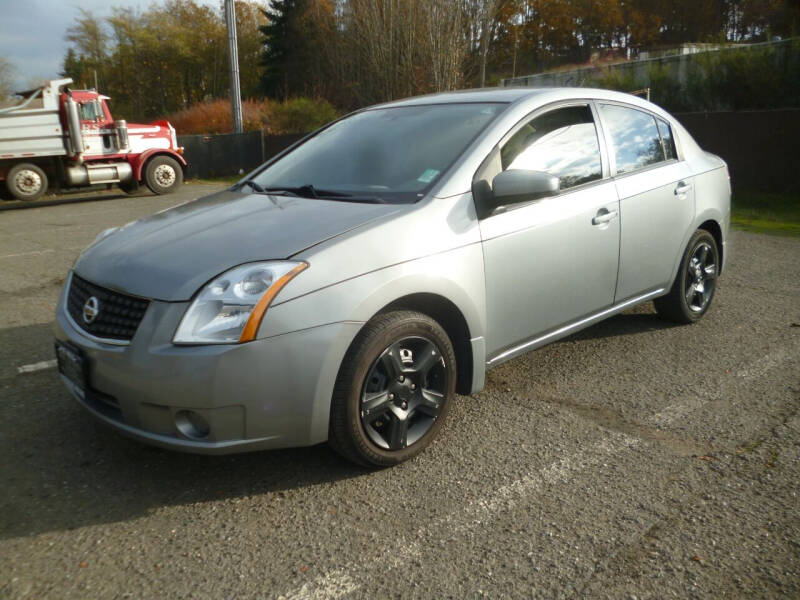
point(349, 287)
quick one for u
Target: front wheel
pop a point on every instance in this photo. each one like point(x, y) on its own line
point(163, 175)
point(26, 181)
point(694, 286)
point(394, 389)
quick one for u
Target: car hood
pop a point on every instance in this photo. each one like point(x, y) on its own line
point(170, 254)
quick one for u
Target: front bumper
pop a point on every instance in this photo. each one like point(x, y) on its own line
point(269, 393)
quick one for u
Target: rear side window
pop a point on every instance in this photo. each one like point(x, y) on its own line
point(562, 142)
point(666, 139)
point(635, 137)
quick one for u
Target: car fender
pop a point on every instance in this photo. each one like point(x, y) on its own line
point(439, 274)
point(710, 214)
point(454, 275)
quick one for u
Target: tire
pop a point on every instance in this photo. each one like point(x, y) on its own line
point(26, 181)
point(693, 290)
point(163, 175)
point(391, 397)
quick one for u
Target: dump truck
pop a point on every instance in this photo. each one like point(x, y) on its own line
point(62, 138)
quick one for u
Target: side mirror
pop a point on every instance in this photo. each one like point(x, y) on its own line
point(521, 185)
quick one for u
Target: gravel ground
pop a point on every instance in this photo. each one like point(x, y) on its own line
point(633, 460)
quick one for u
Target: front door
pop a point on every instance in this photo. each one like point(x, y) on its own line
point(98, 133)
point(551, 261)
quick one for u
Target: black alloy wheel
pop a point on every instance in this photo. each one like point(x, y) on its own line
point(701, 277)
point(403, 393)
point(394, 389)
point(696, 282)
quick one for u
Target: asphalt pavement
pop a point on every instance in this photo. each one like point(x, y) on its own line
point(636, 459)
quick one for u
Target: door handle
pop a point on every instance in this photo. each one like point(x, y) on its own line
point(604, 216)
point(682, 188)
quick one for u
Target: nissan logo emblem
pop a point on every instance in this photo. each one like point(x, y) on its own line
point(90, 310)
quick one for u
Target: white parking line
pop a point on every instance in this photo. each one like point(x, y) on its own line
point(38, 252)
point(334, 584)
point(39, 366)
point(31, 253)
point(339, 582)
point(764, 364)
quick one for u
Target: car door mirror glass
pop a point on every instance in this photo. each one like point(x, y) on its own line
point(523, 185)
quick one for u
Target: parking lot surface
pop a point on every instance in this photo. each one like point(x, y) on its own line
point(636, 459)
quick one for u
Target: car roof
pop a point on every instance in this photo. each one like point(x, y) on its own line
point(505, 95)
point(529, 98)
point(516, 94)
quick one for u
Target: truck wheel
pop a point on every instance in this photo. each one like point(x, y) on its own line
point(26, 181)
point(163, 175)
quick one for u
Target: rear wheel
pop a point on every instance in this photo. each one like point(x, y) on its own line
point(26, 181)
point(163, 175)
point(694, 286)
point(393, 390)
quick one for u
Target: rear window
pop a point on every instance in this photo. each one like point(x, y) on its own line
point(634, 136)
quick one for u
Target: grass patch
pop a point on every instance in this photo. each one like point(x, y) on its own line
point(776, 214)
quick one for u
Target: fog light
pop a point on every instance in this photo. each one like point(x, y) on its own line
point(192, 424)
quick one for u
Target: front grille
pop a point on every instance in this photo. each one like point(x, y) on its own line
point(118, 315)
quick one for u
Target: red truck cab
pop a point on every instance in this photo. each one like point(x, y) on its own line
point(104, 139)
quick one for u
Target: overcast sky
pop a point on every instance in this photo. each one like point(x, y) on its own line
point(32, 32)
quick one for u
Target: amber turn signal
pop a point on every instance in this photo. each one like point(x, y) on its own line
point(260, 309)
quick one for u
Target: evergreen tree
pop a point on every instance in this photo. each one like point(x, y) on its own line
point(294, 47)
point(282, 42)
point(73, 66)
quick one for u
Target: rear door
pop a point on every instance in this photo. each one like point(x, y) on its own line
point(656, 195)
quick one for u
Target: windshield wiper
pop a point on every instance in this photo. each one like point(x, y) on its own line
point(251, 183)
point(309, 191)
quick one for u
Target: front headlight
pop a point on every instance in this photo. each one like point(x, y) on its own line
point(229, 309)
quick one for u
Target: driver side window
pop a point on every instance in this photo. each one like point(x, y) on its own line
point(562, 142)
point(90, 110)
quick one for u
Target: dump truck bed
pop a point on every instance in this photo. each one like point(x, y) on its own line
point(33, 128)
point(30, 133)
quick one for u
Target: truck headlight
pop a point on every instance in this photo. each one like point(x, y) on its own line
point(229, 309)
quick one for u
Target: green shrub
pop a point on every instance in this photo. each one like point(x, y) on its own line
point(300, 115)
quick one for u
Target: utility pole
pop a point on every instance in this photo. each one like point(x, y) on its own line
point(233, 55)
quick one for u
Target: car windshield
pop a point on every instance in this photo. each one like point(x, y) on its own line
point(386, 154)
